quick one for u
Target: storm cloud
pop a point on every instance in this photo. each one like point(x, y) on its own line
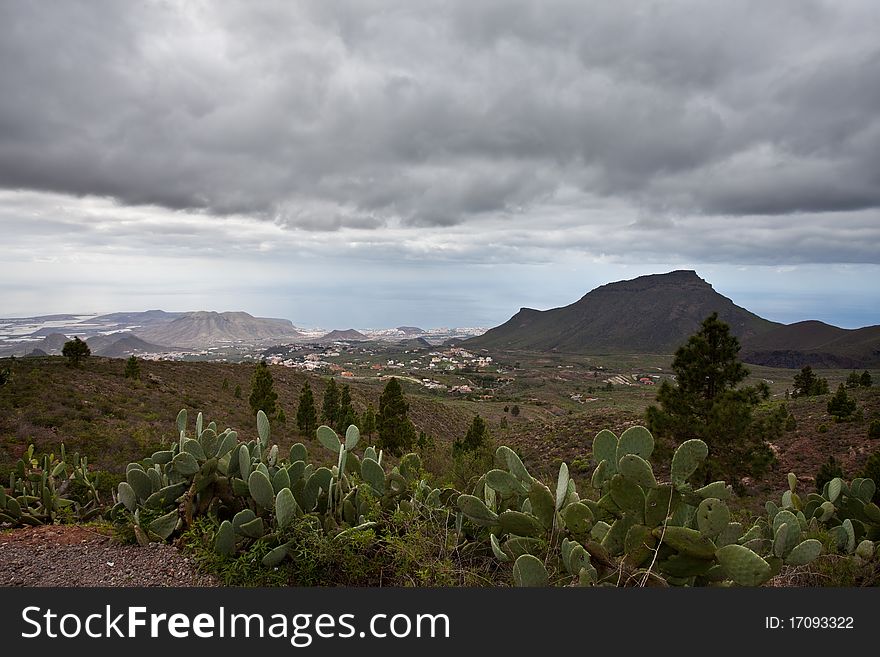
point(476, 132)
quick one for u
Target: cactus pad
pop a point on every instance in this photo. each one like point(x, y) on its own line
point(529, 571)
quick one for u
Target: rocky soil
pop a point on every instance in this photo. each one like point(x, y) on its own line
point(69, 555)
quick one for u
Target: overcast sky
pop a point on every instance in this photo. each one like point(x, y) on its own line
point(438, 162)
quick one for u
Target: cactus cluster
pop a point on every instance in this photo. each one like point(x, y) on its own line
point(256, 493)
point(37, 489)
point(844, 510)
point(637, 530)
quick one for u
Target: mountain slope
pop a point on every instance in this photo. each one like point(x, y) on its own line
point(118, 345)
point(814, 343)
point(197, 329)
point(649, 314)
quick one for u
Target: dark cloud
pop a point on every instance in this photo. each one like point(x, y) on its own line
point(328, 115)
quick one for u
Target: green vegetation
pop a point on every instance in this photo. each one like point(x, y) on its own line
point(830, 469)
point(263, 395)
point(75, 351)
point(44, 489)
point(132, 368)
point(874, 430)
point(476, 438)
point(345, 415)
point(396, 434)
point(807, 384)
point(841, 406)
point(306, 415)
point(330, 407)
point(856, 380)
point(368, 421)
point(704, 403)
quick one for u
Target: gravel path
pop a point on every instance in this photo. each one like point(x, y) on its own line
point(67, 555)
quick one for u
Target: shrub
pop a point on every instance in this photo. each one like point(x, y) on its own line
point(874, 430)
point(829, 470)
point(823, 428)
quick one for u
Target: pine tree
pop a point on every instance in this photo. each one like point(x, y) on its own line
point(75, 351)
point(872, 471)
point(237, 393)
point(477, 437)
point(346, 415)
point(396, 432)
point(841, 406)
point(807, 384)
point(865, 380)
point(369, 421)
point(263, 395)
point(306, 415)
point(330, 407)
point(705, 403)
point(827, 472)
point(281, 416)
point(853, 380)
point(132, 368)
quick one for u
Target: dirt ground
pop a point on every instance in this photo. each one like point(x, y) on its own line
point(69, 555)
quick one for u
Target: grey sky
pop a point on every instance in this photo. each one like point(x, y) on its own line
point(373, 163)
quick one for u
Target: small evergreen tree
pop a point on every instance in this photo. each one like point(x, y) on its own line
point(225, 385)
point(280, 416)
point(853, 380)
point(807, 384)
point(396, 434)
point(514, 410)
point(345, 416)
point(5, 376)
point(865, 380)
point(368, 422)
point(477, 436)
point(425, 443)
point(237, 393)
point(263, 395)
point(75, 351)
point(829, 470)
point(706, 403)
point(872, 471)
point(841, 406)
point(874, 430)
point(330, 407)
point(132, 368)
point(306, 414)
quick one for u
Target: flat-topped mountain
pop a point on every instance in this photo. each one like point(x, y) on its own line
point(648, 314)
point(198, 329)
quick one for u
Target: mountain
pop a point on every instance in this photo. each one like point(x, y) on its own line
point(50, 345)
point(410, 330)
point(203, 328)
point(349, 335)
point(648, 314)
point(814, 343)
point(139, 319)
point(119, 345)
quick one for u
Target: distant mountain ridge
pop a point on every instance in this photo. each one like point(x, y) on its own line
point(648, 314)
point(343, 336)
point(814, 343)
point(657, 314)
point(205, 328)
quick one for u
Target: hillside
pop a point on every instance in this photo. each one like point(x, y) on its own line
point(814, 343)
point(346, 335)
point(203, 328)
point(649, 314)
point(117, 345)
point(113, 420)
